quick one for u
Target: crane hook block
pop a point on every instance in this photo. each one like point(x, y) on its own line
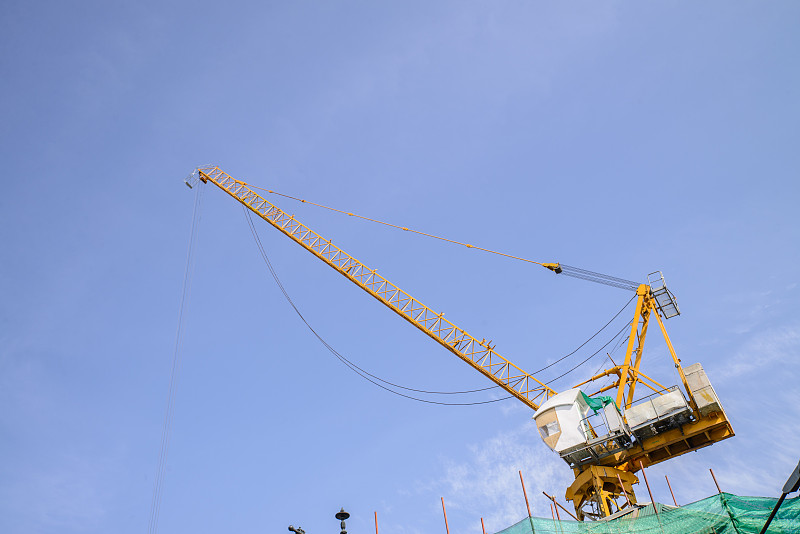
point(555, 267)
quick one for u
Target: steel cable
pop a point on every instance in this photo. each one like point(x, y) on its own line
point(369, 376)
point(600, 278)
point(352, 366)
point(158, 484)
point(405, 229)
point(568, 270)
point(626, 326)
point(588, 340)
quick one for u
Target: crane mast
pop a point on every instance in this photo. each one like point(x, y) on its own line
point(606, 454)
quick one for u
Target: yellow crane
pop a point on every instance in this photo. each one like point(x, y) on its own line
point(606, 439)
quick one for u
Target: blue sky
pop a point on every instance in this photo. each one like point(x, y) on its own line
point(618, 137)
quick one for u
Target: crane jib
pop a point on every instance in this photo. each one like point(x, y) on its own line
point(479, 354)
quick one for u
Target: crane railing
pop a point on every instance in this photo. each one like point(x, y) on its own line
point(480, 354)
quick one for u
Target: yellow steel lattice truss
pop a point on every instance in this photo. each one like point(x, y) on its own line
point(477, 353)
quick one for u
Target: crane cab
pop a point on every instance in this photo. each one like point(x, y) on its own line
point(559, 420)
point(581, 429)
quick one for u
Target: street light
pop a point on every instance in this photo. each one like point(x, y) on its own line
point(341, 515)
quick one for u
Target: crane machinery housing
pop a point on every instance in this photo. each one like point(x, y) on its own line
point(605, 439)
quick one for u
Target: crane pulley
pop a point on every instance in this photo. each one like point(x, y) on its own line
point(604, 440)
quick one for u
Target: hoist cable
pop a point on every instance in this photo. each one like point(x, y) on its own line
point(616, 347)
point(291, 302)
point(158, 484)
point(566, 269)
point(359, 369)
point(353, 367)
point(590, 357)
point(373, 378)
point(588, 340)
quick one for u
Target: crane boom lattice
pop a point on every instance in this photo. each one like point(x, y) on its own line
point(480, 354)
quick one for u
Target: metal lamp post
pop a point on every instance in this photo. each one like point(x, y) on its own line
point(341, 515)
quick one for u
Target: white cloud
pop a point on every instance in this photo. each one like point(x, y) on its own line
point(747, 311)
point(767, 348)
point(487, 483)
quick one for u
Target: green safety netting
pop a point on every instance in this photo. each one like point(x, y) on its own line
point(719, 514)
